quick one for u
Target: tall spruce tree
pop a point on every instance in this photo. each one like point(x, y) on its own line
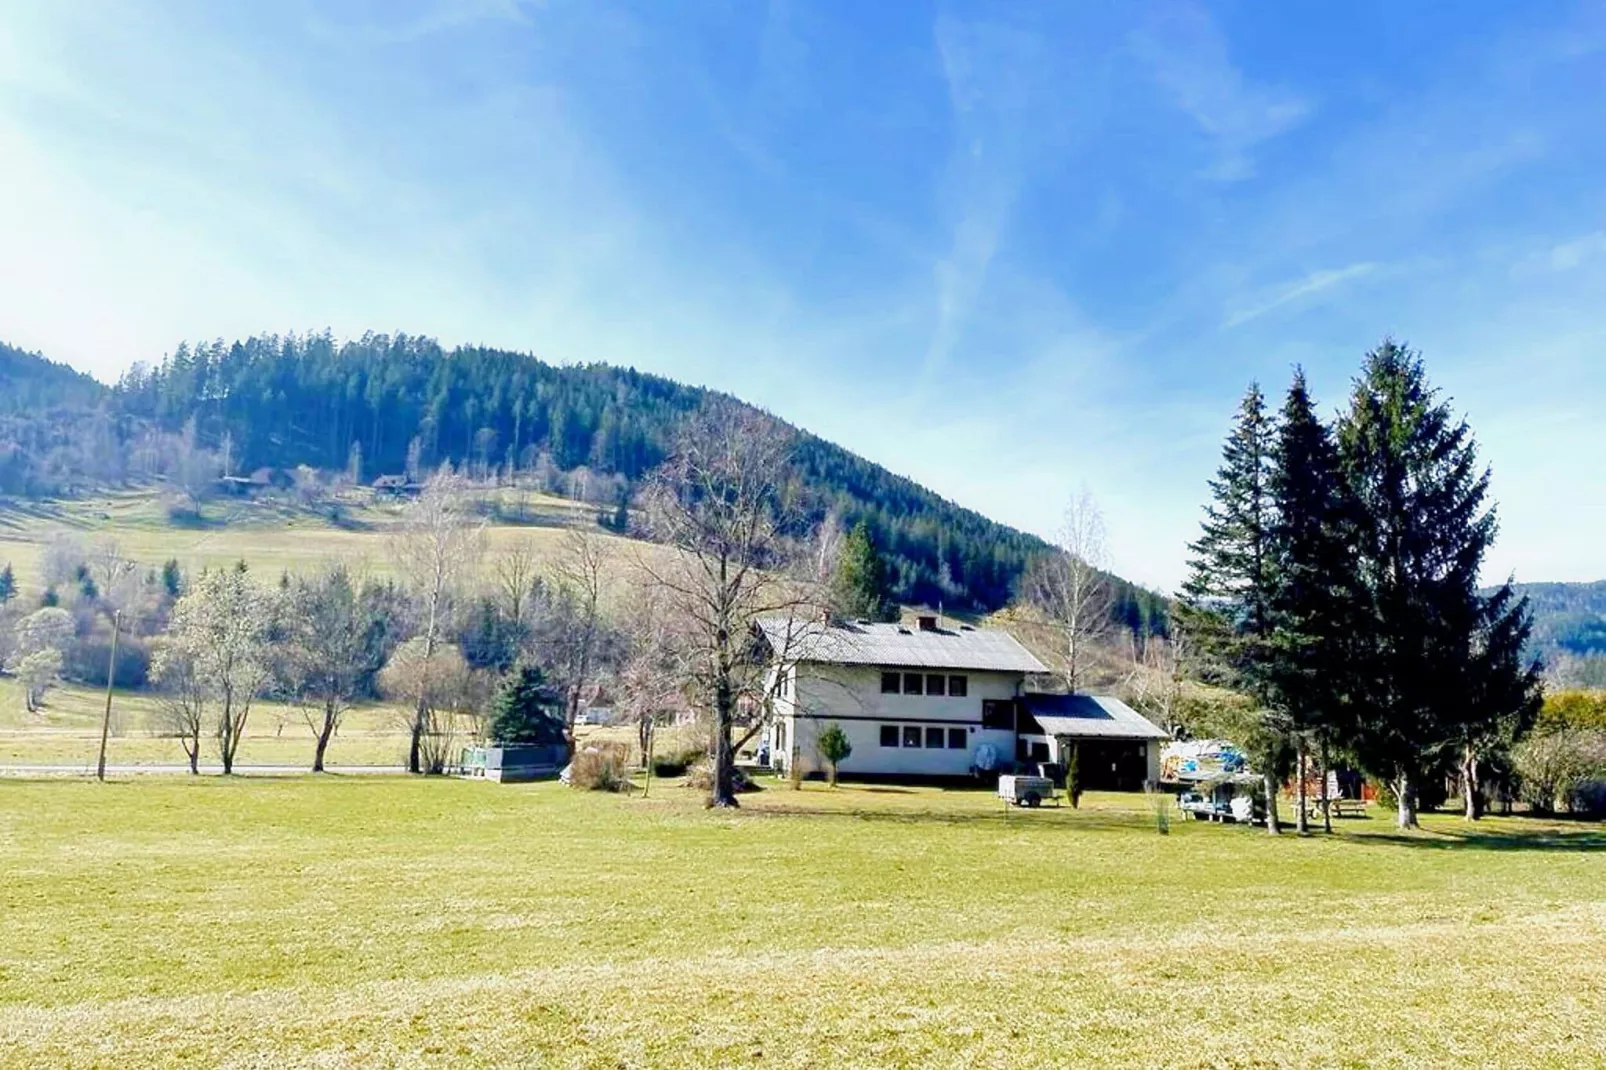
point(1226, 604)
point(859, 585)
point(1310, 602)
point(8, 584)
point(1422, 527)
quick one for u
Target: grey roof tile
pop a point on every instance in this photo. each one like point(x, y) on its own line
point(1090, 716)
point(860, 643)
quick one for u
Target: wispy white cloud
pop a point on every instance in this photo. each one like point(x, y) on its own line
point(1189, 57)
point(1287, 293)
point(1572, 254)
point(405, 22)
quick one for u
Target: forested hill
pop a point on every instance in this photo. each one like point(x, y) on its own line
point(54, 422)
point(393, 404)
point(1569, 618)
point(29, 383)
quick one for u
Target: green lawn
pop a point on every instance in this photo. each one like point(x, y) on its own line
point(330, 922)
point(67, 732)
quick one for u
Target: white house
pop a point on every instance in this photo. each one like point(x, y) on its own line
point(926, 700)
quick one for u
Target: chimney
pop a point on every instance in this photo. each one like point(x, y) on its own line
point(926, 624)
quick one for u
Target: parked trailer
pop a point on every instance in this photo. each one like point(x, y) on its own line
point(1026, 790)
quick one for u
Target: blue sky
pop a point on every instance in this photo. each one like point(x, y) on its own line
point(1006, 250)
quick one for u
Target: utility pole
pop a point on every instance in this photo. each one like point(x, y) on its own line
point(111, 676)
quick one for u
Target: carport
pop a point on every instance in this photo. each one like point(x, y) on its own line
point(1118, 748)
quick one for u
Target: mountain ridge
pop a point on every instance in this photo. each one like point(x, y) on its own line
point(389, 403)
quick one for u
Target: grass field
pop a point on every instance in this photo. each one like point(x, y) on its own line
point(386, 921)
point(271, 538)
point(67, 732)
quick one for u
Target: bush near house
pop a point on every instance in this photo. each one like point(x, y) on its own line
point(601, 767)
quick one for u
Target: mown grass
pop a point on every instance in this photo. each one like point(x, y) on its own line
point(67, 732)
point(330, 921)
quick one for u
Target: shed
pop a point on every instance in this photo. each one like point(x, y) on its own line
point(1118, 749)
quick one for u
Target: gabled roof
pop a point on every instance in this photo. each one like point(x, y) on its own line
point(1086, 716)
point(893, 645)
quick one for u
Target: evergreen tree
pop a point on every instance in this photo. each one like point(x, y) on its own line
point(1421, 530)
point(1227, 600)
point(1309, 605)
point(528, 710)
point(172, 578)
point(859, 586)
point(8, 584)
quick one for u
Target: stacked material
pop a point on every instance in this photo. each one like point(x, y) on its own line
point(1200, 760)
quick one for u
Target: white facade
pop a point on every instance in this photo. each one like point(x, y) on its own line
point(935, 735)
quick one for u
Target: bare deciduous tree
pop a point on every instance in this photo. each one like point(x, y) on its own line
point(1154, 683)
point(182, 703)
point(64, 554)
point(438, 682)
point(437, 551)
point(221, 627)
point(577, 574)
point(194, 468)
point(724, 505)
point(651, 680)
point(37, 672)
point(1071, 589)
point(514, 576)
point(327, 653)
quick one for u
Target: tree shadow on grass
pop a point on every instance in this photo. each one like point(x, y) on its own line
point(998, 819)
point(1584, 841)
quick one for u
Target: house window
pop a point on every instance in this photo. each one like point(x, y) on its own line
point(934, 738)
point(936, 684)
point(958, 686)
point(956, 739)
point(889, 683)
point(911, 735)
point(998, 713)
point(889, 735)
point(912, 685)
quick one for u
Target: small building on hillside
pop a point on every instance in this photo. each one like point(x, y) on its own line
point(395, 486)
point(926, 700)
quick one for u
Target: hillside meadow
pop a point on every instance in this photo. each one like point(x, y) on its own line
point(337, 921)
point(271, 537)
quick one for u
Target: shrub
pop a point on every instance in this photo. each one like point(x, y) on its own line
point(1553, 764)
point(834, 747)
point(700, 777)
point(601, 767)
point(675, 763)
point(1586, 797)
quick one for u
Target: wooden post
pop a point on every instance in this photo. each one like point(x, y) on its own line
point(111, 675)
point(652, 734)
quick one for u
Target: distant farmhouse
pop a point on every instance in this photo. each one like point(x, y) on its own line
point(928, 701)
point(396, 486)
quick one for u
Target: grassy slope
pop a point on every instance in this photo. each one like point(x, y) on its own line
point(270, 538)
point(352, 922)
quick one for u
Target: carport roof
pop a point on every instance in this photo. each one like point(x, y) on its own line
point(1089, 717)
